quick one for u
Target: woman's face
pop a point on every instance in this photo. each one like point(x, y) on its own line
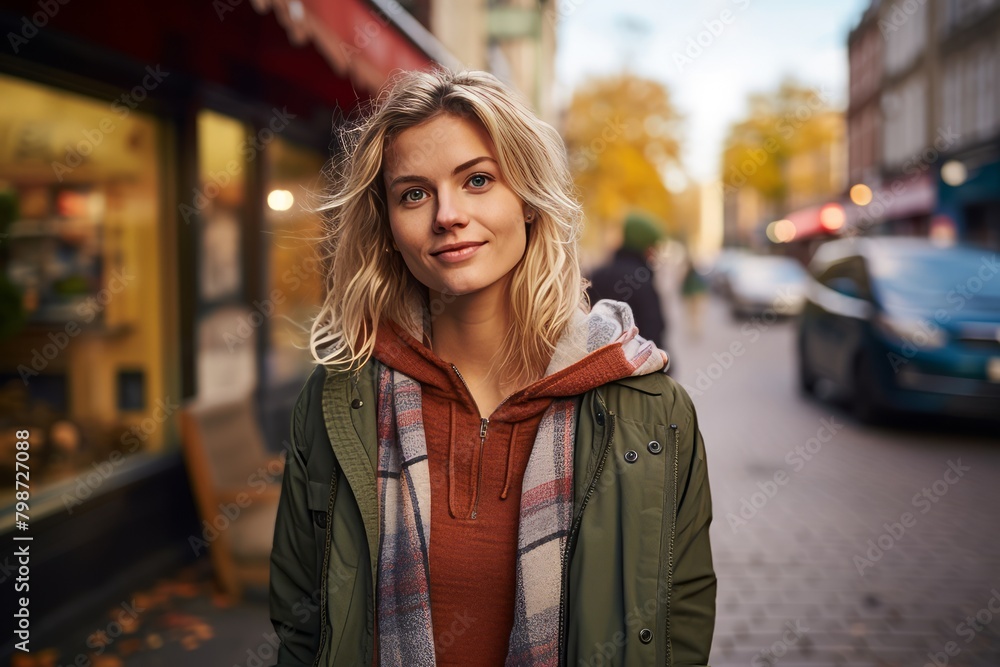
point(458, 225)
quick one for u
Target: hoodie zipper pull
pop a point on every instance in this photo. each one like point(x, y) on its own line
point(483, 424)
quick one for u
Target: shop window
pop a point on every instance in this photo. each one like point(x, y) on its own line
point(226, 341)
point(81, 288)
point(295, 270)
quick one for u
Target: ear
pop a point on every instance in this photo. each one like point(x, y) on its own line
point(528, 214)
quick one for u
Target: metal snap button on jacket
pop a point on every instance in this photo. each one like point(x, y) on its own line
point(357, 403)
point(631, 456)
point(645, 635)
point(654, 447)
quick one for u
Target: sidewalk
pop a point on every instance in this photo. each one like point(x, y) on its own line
point(180, 620)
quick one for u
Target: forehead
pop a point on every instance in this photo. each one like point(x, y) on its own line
point(443, 142)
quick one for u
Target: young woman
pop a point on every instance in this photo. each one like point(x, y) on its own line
point(484, 470)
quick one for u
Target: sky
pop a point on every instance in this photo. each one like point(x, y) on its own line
point(709, 53)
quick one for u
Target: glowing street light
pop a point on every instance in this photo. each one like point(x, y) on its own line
point(861, 194)
point(954, 173)
point(280, 200)
point(780, 231)
point(832, 217)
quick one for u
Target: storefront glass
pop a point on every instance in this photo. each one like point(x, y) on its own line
point(226, 339)
point(293, 239)
point(82, 294)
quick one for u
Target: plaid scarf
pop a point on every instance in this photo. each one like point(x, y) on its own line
point(405, 633)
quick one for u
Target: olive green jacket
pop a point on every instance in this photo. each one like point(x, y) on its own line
point(639, 588)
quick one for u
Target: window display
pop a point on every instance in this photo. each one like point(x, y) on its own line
point(295, 269)
point(82, 297)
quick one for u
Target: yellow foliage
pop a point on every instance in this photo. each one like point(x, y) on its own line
point(782, 125)
point(622, 133)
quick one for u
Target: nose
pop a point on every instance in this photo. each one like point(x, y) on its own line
point(449, 212)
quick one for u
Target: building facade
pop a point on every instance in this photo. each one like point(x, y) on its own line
point(934, 170)
point(513, 39)
point(969, 110)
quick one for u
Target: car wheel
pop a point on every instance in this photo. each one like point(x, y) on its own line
point(807, 381)
point(867, 404)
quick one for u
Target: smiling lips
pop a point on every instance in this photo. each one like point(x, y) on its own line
point(457, 251)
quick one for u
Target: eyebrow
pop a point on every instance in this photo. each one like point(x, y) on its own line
point(459, 169)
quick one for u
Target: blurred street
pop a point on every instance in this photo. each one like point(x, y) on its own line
point(828, 549)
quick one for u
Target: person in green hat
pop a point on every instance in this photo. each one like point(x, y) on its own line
point(630, 276)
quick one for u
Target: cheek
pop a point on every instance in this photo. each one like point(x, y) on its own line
point(398, 231)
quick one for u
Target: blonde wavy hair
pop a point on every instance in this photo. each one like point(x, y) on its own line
point(366, 284)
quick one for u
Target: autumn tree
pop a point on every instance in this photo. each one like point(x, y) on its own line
point(791, 121)
point(623, 136)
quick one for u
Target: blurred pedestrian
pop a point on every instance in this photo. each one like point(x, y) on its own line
point(693, 290)
point(630, 276)
point(441, 449)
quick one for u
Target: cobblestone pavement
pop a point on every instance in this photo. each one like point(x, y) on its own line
point(837, 543)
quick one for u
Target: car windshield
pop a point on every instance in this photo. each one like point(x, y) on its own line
point(951, 278)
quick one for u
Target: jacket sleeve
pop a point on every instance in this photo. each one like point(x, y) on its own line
point(692, 602)
point(295, 573)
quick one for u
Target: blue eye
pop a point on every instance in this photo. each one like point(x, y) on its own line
point(479, 180)
point(408, 195)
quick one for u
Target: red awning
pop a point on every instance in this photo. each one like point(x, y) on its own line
point(361, 40)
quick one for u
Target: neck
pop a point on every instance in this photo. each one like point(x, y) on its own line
point(469, 332)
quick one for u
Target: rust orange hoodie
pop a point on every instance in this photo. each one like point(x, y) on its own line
point(476, 469)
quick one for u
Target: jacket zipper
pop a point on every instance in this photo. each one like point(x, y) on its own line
point(483, 425)
point(670, 549)
point(574, 530)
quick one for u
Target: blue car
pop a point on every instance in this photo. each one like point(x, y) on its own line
point(902, 324)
